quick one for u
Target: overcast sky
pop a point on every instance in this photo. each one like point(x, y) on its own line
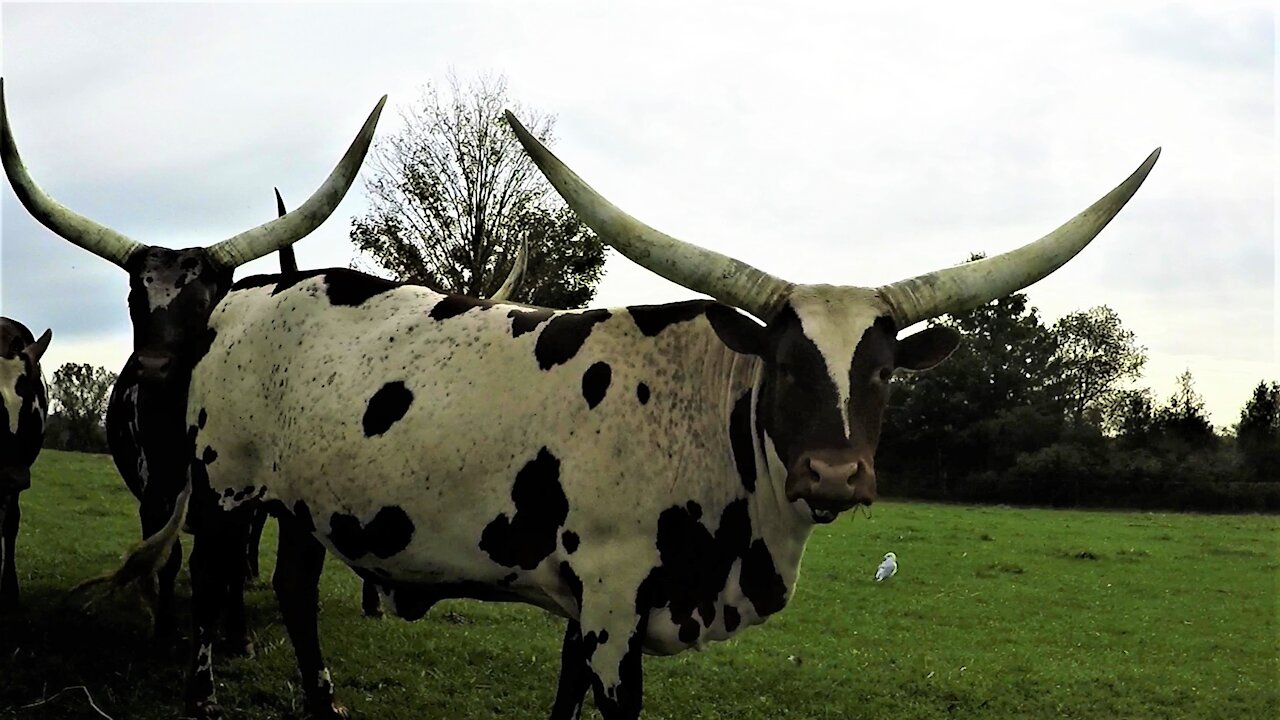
point(817, 141)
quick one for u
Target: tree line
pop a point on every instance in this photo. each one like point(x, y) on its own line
point(1030, 413)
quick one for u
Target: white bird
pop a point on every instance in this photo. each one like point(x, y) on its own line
point(887, 568)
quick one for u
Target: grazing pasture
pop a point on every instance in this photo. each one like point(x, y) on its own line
point(994, 612)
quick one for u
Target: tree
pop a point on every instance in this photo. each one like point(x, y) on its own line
point(1182, 418)
point(995, 397)
point(453, 194)
point(1258, 432)
point(1134, 417)
point(78, 397)
point(1095, 354)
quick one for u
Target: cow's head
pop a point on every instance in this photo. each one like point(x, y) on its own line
point(23, 403)
point(829, 351)
point(172, 292)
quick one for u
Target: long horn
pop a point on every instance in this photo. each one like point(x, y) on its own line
point(518, 267)
point(705, 271)
point(288, 261)
point(70, 225)
point(308, 216)
point(967, 286)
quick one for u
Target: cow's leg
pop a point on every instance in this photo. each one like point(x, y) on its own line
point(299, 561)
point(154, 515)
point(575, 675)
point(9, 517)
point(256, 525)
point(215, 554)
point(235, 631)
point(370, 602)
point(611, 640)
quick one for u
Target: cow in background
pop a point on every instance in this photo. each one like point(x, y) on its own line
point(171, 294)
point(24, 404)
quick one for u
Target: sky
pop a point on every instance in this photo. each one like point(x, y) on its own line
point(820, 142)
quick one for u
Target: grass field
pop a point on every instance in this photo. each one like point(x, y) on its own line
point(995, 613)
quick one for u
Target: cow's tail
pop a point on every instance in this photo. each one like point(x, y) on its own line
point(144, 559)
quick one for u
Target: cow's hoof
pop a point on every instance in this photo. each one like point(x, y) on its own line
point(333, 712)
point(373, 613)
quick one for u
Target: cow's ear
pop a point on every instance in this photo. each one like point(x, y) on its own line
point(926, 348)
point(36, 349)
point(741, 333)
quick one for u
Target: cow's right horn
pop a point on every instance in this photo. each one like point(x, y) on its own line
point(975, 283)
point(295, 225)
point(723, 278)
point(97, 239)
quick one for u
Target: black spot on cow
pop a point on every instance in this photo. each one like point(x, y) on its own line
point(744, 455)
point(386, 534)
point(523, 321)
point(653, 319)
point(350, 288)
point(454, 305)
point(732, 619)
point(288, 281)
point(281, 282)
point(565, 335)
point(595, 383)
point(541, 508)
point(508, 579)
point(760, 580)
point(570, 541)
point(642, 393)
point(695, 564)
point(209, 455)
point(386, 407)
point(202, 419)
point(592, 640)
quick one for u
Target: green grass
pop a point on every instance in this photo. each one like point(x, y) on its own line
point(995, 613)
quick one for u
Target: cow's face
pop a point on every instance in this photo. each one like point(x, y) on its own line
point(829, 356)
point(23, 404)
point(171, 294)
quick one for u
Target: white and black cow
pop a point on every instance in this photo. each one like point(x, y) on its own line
point(171, 293)
point(650, 473)
point(23, 406)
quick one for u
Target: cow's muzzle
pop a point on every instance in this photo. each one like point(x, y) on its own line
point(154, 367)
point(831, 481)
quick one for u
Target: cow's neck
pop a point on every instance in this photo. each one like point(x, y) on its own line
point(773, 517)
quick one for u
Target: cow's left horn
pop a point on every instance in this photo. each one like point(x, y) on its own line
point(284, 231)
point(967, 286)
point(97, 239)
point(518, 267)
point(705, 271)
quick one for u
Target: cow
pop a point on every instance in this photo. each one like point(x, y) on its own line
point(369, 602)
point(650, 473)
point(23, 406)
point(171, 293)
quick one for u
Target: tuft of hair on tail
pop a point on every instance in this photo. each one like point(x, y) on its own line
point(142, 561)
